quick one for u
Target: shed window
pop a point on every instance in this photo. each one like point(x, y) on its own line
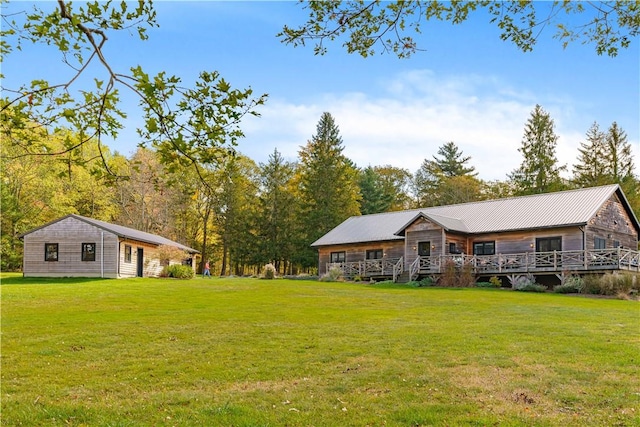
point(50, 251)
point(374, 254)
point(88, 251)
point(127, 253)
point(599, 243)
point(484, 248)
point(338, 256)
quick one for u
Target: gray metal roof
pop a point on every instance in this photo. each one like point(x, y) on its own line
point(564, 208)
point(122, 231)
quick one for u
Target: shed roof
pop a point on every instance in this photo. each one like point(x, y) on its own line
point(549, 210)
point(121, 231)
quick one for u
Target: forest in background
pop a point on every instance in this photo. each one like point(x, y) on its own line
point(242, 215)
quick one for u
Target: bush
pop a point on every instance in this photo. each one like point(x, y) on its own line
point(527, 284)
point(495, 281)
point(572, 285)
point(269, 271)
point(619, 284)
point(177, 271)
point(333, 275)
point(485, 285)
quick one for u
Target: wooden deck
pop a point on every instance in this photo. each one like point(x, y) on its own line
point(596, 261)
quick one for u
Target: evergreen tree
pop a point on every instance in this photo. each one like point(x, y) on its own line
point(539, 171)
point(618, 154)
point(328, 186)
point(374, 198)
point(276, 211)
point(591, 169)
point(452, 162)
point(436, 177)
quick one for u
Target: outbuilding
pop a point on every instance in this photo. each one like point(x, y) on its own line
point(77, 246)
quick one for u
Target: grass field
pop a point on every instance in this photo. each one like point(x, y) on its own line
point(249, 352)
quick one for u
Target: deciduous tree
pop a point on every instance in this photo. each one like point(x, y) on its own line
point(369, 26)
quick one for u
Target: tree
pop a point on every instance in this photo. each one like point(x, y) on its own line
point(328, 186)
point(395, 182)
point(618, 154)
point(591, 169)
point(539, 171)
point(276, 215)
point(435, 181)
point(391, 26)
point(198, 125)
point(374, 199)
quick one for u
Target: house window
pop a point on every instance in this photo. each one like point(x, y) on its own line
point(616, 244)
point(484, 248)
point(88, 251)
point(127, 253)
point(50, 251)
point(338, 256)
point(549, 244)
point(599, 243)
point(374, 254)
point(424, 248)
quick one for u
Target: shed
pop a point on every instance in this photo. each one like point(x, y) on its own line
point(77, 246)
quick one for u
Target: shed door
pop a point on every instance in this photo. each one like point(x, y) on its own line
point(140, 262)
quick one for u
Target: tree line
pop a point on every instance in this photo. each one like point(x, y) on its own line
point(242, 215)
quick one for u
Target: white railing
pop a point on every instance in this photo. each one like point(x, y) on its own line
point(526, 262)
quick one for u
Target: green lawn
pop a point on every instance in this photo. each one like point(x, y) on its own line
point(248, 352)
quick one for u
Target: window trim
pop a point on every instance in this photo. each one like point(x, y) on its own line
point(338, 254)
point(421, 246)
point(88, 255)
point(47, 253)
point(127, 254)
point(539, 240)
point(484, 247)
point(374, 252)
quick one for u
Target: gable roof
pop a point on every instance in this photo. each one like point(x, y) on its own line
point(121, 231)
point(549, 210)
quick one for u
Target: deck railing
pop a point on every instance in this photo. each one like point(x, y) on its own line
point(526, 262)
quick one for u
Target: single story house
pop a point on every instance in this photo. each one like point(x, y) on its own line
point(585, 230)
point(77, 246)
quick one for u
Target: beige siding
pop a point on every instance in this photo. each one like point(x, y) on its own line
point(70, 234)
point(151, 266)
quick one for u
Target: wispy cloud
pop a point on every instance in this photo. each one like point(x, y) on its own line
point(416, 113)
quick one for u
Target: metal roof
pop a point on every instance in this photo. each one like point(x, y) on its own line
point(122, 231)
point(564, 208)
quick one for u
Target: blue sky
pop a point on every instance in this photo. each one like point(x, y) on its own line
point(468, 86)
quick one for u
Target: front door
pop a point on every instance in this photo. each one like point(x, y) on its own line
point(140, 262)
point(424, 248)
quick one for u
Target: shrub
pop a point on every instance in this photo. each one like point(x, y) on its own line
point(333, 275)
point(527, 284)
point(427, 281)
point(620, 284)
point(572, 285)
point(177, 271)
point(449, 276)
point(269, 271)
point(485, 285)
point(495, 281)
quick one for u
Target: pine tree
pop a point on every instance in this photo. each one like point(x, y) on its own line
point(328, 185)
point(539, 171)
point(276, 211)
point(374, 198)
point(452, 163)
point(592, 166)
point(618, 154)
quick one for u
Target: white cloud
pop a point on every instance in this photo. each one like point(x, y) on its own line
point(418, 112)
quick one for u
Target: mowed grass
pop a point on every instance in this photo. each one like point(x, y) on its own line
point(249, 352)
